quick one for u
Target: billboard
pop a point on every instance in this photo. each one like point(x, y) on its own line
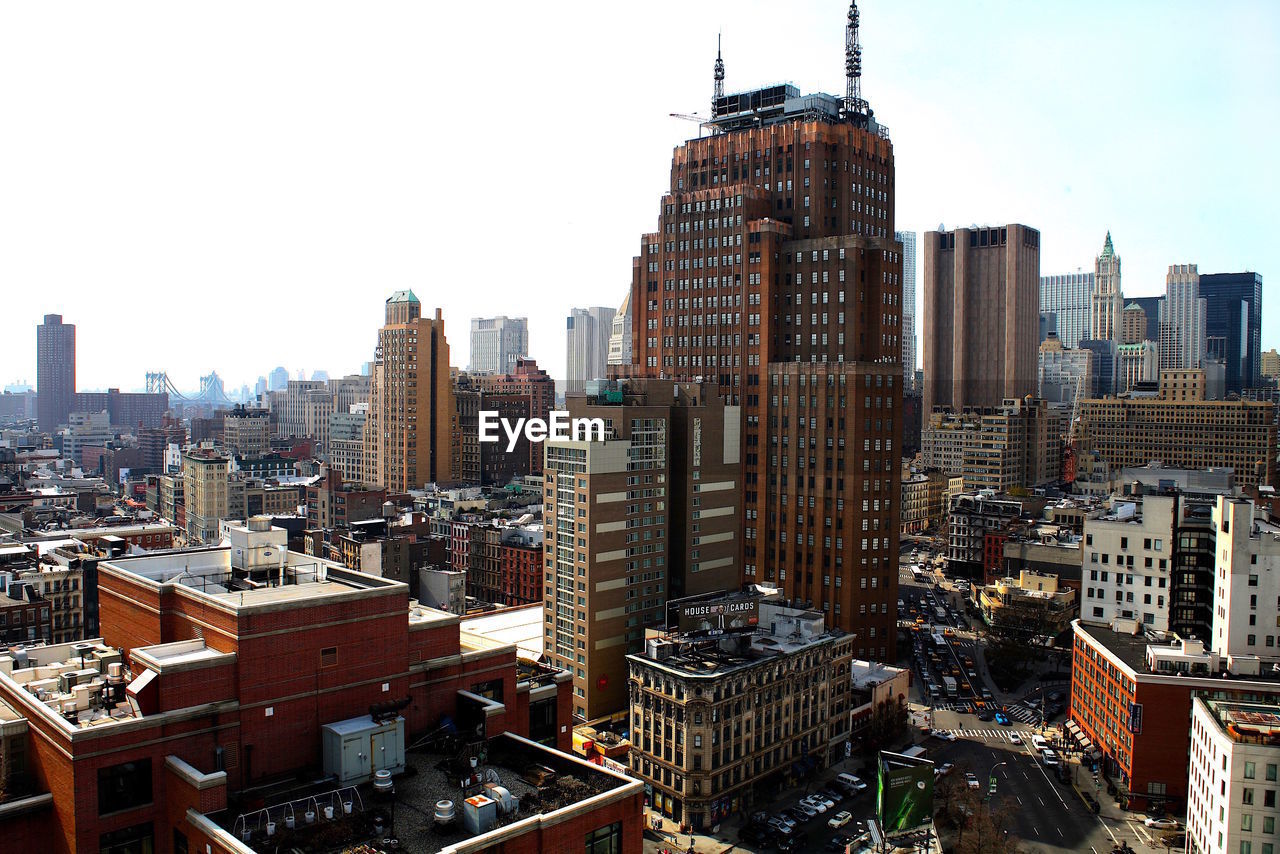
point(713, 615)
point(904, 795)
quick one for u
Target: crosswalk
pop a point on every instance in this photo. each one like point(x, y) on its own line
point(1018, 713)
point(997, 734)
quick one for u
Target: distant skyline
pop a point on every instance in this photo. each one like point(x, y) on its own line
point(237, 187)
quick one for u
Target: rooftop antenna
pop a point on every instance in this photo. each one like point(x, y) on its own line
point(719, 91)
point(853, 101)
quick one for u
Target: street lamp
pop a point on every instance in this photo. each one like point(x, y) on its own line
point(991, 779)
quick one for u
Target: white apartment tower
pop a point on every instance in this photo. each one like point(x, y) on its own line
point(1232, 778)
point(1182, 319)
point(1107, 298)
point(1246, 612)
point(496, 343)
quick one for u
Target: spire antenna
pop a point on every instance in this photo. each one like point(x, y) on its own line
point(853, 100)
point(719, 77)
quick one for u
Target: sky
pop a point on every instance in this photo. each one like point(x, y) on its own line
point(236, 186)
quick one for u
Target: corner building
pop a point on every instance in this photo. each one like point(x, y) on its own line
point(775, 260)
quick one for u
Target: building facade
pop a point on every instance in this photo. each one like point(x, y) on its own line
point(206, 493)
point(1107, 299)
point(651, 513)
point(981, 310)
point(55, 372)
point(497, 342)
point(587, 333)
point(1182, 319)
point(909, 314)
point(408, 430)
point(1067, 296)
point(1132, 432)
point(1233, 325)
point(1231, 793)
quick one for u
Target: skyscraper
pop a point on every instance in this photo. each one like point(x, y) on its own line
point(496, 344)
point(55, 371)
point(908, 241)
point(1233, 325)
point(1107, 297)
point(1066, 297)
point(1182, 319)
point(981, 324)
point(774, 273)
point(587, 332)
point(408, 430)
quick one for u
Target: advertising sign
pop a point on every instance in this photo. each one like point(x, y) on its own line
point(904, 796)
point(714, 615)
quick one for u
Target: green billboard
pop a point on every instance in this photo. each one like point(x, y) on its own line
point(904, 796)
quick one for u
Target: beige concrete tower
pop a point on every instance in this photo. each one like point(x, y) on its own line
point(1107, 302)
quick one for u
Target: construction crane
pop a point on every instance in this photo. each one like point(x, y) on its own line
point(692, 117)
point(1069, 452)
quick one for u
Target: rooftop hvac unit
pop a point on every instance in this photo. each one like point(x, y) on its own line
point(479, 814)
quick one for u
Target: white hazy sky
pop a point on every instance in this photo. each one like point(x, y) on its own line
point(236, 186)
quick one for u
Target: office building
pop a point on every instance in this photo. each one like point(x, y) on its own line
point(55, 372)
point(1107, 299)
point(1231, 792)
point(246, 432)
point(346, 443)
point(1133, 324)
point(205, 478)
point(587, 334)
point(981, 298)
point(1137, 364)
point(1182, 319)
point(1106, 358)
point(1269, 362)
point(1067, 297)
point(773, 273)
point(1194, 434)
point(651, 513)
point(708, 755)
point(1151, 307)
point(497, 342)
point(1011, 447)
point(1131, 701)
point(620, 336)
point(908, 241)
point(1063, 374)
point(527, 380)
point(1233, 325)
point(408, 429)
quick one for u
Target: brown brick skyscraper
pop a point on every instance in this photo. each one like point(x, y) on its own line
point(775, 274)
point(408, 432)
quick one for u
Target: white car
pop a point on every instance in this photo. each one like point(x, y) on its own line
point(814, 804)
point(945, 768)
point(945, 735)
point(803, 807)
point(1161, 823)
point(824, 800)
point(1015, 738)
point(840, 819)
point(1048, 757)
point(971, 779)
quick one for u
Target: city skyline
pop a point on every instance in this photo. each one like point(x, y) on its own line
point(339, 235)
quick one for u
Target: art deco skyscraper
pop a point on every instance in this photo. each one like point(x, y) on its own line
point(774, 274)
point(1182, 319)
point(55, 371)
point(410, 400)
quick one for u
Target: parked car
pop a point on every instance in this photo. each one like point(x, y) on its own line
point(1161, 823)
point(1002, 719)
point(821, 799)
point(945, 768)
point(812, 803)
point(780, 826)
point(1049, 757)
point(971, 779)
point(840, 819)
point(830, 795)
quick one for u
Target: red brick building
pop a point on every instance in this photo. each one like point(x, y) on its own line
point(1131, 705)
point(521, 573)
point(217, 671)
point(533, 383)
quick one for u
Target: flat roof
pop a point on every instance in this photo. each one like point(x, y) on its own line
point(1131, 650)
point(521, 626)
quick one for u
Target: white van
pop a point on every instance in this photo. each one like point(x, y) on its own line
point(1049, 757)
point(1039, 742)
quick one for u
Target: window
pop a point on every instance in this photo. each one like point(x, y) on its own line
point(124, 786)
point(605, 840)
point(329, 656)
point(1250, 770)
